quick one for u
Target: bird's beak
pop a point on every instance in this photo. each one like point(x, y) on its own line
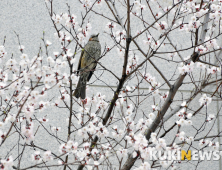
point(97, 35)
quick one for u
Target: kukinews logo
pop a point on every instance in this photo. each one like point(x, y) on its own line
point(189, 155)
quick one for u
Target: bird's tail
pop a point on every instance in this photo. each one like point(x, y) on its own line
point(80, 89)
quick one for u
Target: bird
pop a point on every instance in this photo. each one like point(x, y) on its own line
point(87, 64)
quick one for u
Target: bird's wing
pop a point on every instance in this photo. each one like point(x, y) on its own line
point(79, 65)
point(91, 73)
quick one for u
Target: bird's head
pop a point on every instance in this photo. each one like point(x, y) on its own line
point(94, 37)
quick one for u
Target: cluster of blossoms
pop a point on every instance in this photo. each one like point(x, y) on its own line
point(102, 104)
point(118, 133)
point(110, 26)
point(213, 145)
point(151, 43)
point(64, 97)
point(69, 147)
point(159, 145)
point(132, 63)
point(184, 117)
point(148, 41)
point(21, 73)
point(65, 38)
point(55, 129)
point(162, 26)
point(186, 68)
point(87, 3)
point(20, 92)
point(210, 118)
point(154, 88)
point(37, 158)
point(10, 118)
point(2, 53)
point(143, 124)
point(94, 128)
point(216, 12)
point(191, 7)
point(27, 132)
point(11, 64)
point(130, 125)
point(211, 70)
point(33, 100)
point(70, 21)
point(137, 7)
point(191, 26)
point(6, 164)
point(82, 153)
point(98, 100)
point(119, 36)
point(182, 137)
point(214, 70)
point(204, 100)
point(194, 9)
point(84, 33)
point(128, 89)
point(209, 45)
